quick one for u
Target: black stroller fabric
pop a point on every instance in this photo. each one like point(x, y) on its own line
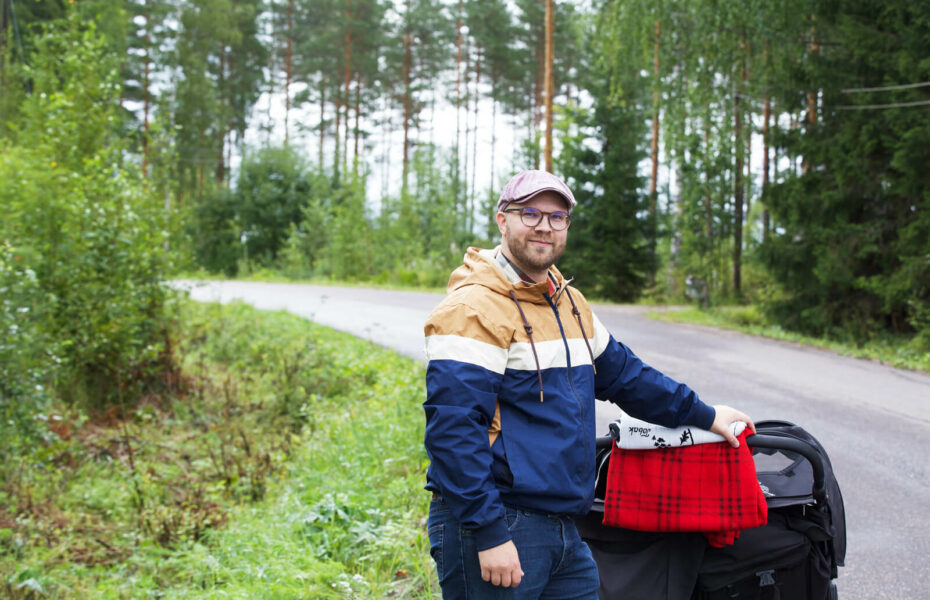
point(794, 557)
point(777, 561)
point(789, 482)
point(643, 564)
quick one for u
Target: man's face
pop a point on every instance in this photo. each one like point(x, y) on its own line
point(534, 249)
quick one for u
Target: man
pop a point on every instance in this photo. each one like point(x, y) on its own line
point(516, 360)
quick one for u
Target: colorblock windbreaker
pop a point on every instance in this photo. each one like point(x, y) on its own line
point(513, 371)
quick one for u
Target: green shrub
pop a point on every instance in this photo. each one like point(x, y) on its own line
point(85, 227)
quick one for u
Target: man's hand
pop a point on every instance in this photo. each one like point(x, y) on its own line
point(500, 565)
point(726, 415)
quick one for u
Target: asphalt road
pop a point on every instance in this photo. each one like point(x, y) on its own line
point(871, 419)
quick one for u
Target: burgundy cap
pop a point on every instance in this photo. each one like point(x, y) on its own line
point(528, 184)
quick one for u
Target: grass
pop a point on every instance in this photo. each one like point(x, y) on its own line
point(890, 350)
point(287, 463)
point(272, 276)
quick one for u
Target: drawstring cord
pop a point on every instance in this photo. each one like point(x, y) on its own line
point(529, 332)
point(584, 336)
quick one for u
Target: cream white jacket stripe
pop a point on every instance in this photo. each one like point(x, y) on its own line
point(467, 350)
point(601, 338)
point(518, 357)
point(551, 355)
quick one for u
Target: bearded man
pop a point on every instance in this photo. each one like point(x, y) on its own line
point(516, 360)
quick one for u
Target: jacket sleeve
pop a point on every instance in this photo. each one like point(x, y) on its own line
point(640, 390)
point(466, 358)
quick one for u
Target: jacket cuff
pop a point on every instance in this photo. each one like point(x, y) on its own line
point(702, 415)
point(492, 535)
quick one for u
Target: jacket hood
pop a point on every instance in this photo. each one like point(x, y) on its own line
point(480, 268)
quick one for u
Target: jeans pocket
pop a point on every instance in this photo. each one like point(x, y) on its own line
point(512, 517)
point(435, 534)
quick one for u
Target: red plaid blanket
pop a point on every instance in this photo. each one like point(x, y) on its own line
point(710, 488)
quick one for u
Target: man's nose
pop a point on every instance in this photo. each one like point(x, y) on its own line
point(543, 224)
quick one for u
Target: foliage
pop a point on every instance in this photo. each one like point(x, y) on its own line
point(218, 73)
point(270, 196)
point(608, 253)
point(853, 254)
point(832, 241)
point(423, 234)
point(214, 232)
point(288, 459)
point(85, 227)
point(286, 216)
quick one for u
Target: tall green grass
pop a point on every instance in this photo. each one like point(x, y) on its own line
point(288, 465)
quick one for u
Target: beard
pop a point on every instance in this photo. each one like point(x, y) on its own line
point(531, 257)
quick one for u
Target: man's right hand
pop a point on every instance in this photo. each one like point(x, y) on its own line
point(500, 565)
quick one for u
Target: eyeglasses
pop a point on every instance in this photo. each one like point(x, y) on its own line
point(532, 217)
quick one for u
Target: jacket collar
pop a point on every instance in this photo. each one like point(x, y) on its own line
point(482, 267)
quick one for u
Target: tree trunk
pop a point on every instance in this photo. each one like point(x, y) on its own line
point(408, 57)
point(654, 181)
point(738, 182)
point(811, 98)
point(464, 173)
point(386, 160)
point(221, 125)
point(550, 82)
point(766, 116)
point(146, 131)
point(492, 224)
point(708, 203)
point(358, 112)
point(747, 144)
point(229, 147)
point(456, 167)
point(538, 100)
point(474, 148)
point(337, 140)
point(322, 119)
point(288, 69)
point(747, 182)
point(346, 80)
point(272, 64)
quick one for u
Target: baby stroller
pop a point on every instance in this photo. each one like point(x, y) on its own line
point(794, 556)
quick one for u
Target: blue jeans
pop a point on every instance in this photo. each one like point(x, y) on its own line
point(556, 563)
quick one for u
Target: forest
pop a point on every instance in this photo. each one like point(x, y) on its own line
point(776, 151)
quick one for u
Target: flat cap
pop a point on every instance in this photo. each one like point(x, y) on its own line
point(527, 184)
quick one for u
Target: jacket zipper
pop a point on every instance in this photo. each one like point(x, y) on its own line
point(568, 362)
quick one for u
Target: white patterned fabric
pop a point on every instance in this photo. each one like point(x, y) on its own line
point(631, 433)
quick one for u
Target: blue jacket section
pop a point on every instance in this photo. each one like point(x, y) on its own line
point(646, 393)
point(490, 439)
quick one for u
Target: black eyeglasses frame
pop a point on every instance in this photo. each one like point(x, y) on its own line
point(548, 215)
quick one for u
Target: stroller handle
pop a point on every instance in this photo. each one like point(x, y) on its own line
point(776, 442)
point(773, 442)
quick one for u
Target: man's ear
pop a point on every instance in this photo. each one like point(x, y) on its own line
point(501, 219)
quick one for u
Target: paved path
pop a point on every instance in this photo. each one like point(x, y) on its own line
point(872, 419)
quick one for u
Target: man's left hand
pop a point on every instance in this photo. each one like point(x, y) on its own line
point(726, 415)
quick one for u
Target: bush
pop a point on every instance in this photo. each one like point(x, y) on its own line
point(87, 230)
point(215, 234)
